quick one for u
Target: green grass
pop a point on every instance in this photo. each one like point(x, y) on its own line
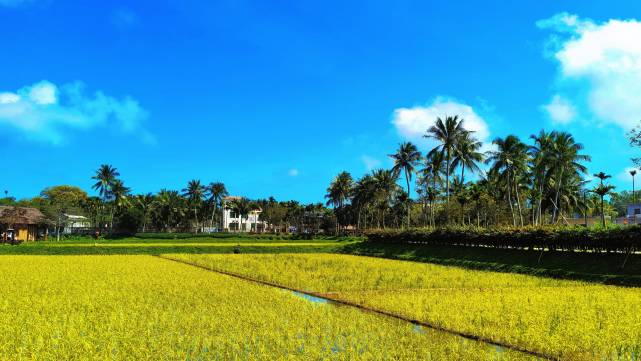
point(134, 245)
point(600, 268)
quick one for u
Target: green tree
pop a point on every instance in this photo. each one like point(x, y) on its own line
point(339, 192)
point(406, 159)
point(145, 202)
point(603, 190)
point(216, 192)
point(105, 178)
point(195, 193)
point(509, 161)
point(61, 199)
point(467, 154)
point(243, 207)
point(447, 132)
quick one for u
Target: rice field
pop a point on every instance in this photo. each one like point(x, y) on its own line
point(140, 307)
point(563, 319)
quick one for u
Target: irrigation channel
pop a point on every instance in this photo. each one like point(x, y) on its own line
point(419, 326)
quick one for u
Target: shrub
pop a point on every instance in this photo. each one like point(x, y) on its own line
point(552, 238)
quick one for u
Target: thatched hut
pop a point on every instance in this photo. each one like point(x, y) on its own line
point(23, 223)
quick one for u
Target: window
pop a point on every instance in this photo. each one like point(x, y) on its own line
point(233, 214)
point(637, 211)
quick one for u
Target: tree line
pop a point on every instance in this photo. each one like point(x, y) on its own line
point(544, 181)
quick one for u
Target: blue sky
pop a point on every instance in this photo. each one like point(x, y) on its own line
point(275, 97)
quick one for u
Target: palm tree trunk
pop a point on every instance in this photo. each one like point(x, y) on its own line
point(407, 179)
point(602, 213)
point(556, 198)
point(509, 198)
point(518, 201)
point(447, 184)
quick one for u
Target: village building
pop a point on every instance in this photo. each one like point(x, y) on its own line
point(23, 223)
point(75, 224)
point(233, 222)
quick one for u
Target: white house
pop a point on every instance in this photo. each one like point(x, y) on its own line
point(232, 221)
point(73, 223)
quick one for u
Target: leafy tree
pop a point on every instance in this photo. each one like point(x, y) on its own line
point(406, 159)
point(195, 192)
point(339, 192)
point(509, 161)
point(603, 190)
point(60, 199)
point(216, 192)
point(447, 132)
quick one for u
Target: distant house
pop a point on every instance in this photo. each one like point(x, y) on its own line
point(232, 221)
point(23, 223)
point(75, 224)
point(634, 210)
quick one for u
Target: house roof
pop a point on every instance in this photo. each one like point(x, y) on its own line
point(21, 215)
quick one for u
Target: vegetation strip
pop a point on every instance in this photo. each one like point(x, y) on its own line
point(368, 309)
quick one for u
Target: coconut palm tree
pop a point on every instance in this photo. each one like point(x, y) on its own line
point(146, 203)
point(565, 163)
point(467, 154)
point(216, 192)
point(633, 173)
point(385, 188)
point(405, 160)
point(510, 161)
point(540, 154)
point(170, 209)
point(120, 198)
point(195, 193)
point(447, 132)
point(338, 193)
point(106, 177)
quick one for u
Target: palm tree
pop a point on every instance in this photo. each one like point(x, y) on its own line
point(106, 177)
point(602, 176)
point(363, 195)
point(120, 199)
point(243, 207)
point(564, 164)
point(145, 202)
point(603, 190)
point(339, 192)
point(447, 133)
point(633, 173)
point(540, 154)
point(217, 192)
point(194, 192)
point(467, 155)
point(385, 188)
point(405, 159)
point(510, 160)
point(170, 208)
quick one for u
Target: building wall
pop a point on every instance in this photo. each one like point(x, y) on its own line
point(233, 223)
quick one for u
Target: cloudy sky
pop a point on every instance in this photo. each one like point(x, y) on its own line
point(275, 98)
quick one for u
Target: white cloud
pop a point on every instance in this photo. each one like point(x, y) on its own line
point(370, 163)
point(47, 112)
point(293, 172)
point(560, 110)
point(412, 123)
point(599, 65)
point(625, 176)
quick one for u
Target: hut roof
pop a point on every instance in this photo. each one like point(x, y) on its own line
point(21, 215)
